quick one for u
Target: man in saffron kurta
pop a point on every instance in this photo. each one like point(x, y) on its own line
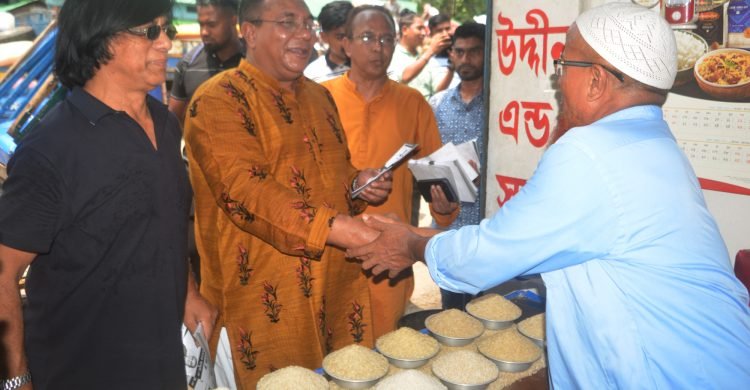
point(271, 174)
point(380, 115)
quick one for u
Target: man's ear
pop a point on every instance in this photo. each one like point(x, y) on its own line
point(598, 83)
point(347, 44)
point(249, 34)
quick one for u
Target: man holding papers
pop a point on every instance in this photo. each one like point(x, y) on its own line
point(460, 117)
point(379, 115)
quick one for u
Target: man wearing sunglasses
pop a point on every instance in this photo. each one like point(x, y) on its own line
point(221, 49)
point(640, 289)
point(97, 201)
point(334, 63)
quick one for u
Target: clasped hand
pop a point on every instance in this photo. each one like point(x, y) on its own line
point(395, 249)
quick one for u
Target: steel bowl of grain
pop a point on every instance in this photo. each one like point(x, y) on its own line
point(453, 327)
point(355, 367)
point(464, 370)
point(534, 328)
point(494, 311)
point(407, 348)
point(292, 377)
point(410, 380)
point(510, 350)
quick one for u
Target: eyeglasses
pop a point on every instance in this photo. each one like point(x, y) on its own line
point(559, 63)
point(370, 39)
point(471, 52)
point(289, 25)
point(153, 31)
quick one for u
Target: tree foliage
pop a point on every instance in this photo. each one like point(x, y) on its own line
point(459, 10)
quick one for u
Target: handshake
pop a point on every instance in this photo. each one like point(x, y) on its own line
point(396, 246)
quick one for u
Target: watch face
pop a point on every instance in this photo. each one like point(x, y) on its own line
point(646, 3)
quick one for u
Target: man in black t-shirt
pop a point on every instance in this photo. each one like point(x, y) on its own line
point(221, 49)
point(96, 202)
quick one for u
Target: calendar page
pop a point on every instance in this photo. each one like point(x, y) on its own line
point(715, 136)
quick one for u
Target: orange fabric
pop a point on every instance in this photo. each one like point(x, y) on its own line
point(375, 130)
point(270, 171)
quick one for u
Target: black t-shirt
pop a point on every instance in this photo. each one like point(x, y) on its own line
point(107, 214)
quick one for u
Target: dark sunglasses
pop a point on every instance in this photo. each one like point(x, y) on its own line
point(153, 31)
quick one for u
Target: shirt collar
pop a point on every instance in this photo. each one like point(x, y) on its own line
point(94, 109)
point(334, 66)
point(455, 94)
point(270, 82)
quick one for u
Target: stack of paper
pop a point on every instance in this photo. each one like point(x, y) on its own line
point(451, 162)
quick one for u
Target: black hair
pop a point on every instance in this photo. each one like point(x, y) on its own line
point(405, 19)
point(469, 30)
point(86, 29)
point(362, 8)
point(251, 9)
point(229, 5)
point(333, 15)
point(433, 22)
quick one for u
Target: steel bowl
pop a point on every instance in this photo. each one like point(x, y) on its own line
point(495, 325)
point(355, 384)
point(539, 342)
point(409, 363)
point(448, 340)
point(507, 366)
point(463, 386)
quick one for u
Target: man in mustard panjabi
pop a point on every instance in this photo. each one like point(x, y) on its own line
point(271, 173)
point(379, 115)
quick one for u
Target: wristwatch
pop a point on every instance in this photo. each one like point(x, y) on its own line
point(16, 382)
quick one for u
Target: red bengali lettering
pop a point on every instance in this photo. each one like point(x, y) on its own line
point(536, 54)
point(535, 119)
point(534, 115)
point(509, 187)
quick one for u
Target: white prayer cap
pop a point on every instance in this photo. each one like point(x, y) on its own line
point(634, 39)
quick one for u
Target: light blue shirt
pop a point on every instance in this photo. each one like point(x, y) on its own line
point(460, 122)
point(640, 290)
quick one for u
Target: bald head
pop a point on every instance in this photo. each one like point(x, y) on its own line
point(358, 14)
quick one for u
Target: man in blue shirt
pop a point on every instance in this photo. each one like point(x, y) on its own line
point(640, 290)
point(460, 116)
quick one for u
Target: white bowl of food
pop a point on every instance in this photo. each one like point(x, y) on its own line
point(724, 74)
point(690, 47)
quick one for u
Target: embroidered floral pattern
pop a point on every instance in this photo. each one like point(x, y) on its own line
point(193, 110)
point(271, 302)
point(244, 268)
point(356, 324)
point(325, 331)
point(249, 81)
point(236, 94)
point(257, 171)
point(234, 207)
point(283, 109)
point(335, 128)
point(304, 275)
point(247, 122)
point(245, 348)
point(313, 143)
point(299, 184)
